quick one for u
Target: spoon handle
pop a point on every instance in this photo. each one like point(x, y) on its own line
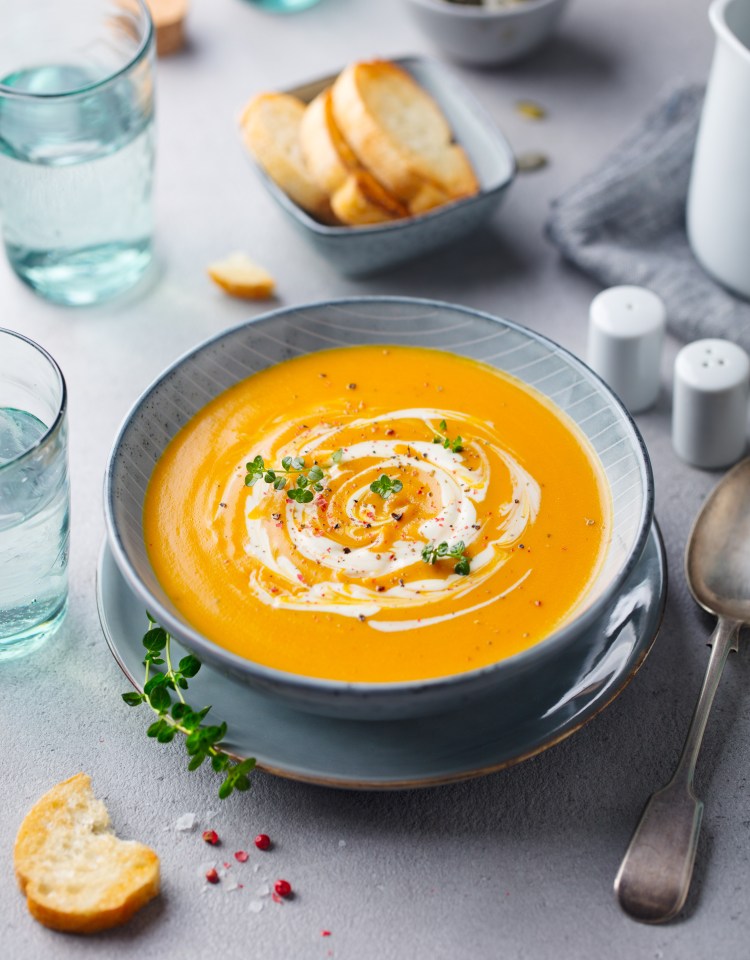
point(654, 877)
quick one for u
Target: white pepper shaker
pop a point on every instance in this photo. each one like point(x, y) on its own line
point(709, 408)
point(626, 335)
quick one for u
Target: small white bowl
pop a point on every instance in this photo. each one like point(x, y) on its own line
point(486, 36)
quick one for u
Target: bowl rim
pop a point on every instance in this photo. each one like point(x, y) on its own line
point(471, 12)
point(316, 686)
point(406, 223)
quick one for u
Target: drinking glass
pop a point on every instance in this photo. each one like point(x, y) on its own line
point(284, 6)
point(76, 144)
point(34, 497)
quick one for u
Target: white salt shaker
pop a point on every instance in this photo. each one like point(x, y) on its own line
point(709, 408)
point(626, 335)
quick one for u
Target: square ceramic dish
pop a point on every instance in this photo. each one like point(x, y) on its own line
point(356, 251)
point(545, 672)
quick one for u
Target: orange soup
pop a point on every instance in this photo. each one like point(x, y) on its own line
point(377, 514)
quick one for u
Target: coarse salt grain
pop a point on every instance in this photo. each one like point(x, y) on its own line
point(186, 822)
point(255, 906)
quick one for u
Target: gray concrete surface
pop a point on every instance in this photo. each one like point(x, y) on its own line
point(518, 865)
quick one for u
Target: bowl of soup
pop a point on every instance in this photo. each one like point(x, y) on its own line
point(381, 507)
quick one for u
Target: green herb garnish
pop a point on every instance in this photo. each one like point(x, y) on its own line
point(454, 445)
point(432, 553)
point(202, 741)
point(384, 486)
point(303, 489)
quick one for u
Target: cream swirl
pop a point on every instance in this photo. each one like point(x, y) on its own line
point(350, 552)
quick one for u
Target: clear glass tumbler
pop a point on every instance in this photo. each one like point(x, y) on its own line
point(284, 6)
point(76, 144)
point(34, 496)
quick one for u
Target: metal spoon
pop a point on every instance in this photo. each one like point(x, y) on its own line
point(654, 877)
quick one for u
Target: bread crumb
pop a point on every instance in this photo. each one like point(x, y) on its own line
point(241, 277)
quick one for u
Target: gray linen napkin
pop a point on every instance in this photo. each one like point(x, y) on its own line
point(625, 223)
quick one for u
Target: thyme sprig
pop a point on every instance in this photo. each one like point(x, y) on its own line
point(454, 445)
point(385, 486)
point(308, 479)
point(434, 552)
point(202, 741)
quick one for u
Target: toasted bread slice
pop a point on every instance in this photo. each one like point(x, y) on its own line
point(356, 196)
point(327, 155)
point(240, 277)
point(270, 126)
point(428, 197)
point(399, 133)
point(77, 875)
point(361, 200)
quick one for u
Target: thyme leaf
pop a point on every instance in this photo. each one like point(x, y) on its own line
point(453, 445)
point(440, 551)
point(384, 486)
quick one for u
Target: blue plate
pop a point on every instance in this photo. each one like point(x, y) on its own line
point(379, 755)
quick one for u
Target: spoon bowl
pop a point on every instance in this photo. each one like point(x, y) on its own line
point(717, 560)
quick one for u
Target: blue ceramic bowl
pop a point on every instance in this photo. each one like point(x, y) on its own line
point(357, 251)
point(547, 670)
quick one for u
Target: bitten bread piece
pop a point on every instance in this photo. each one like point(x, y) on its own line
point(400, 135)
point(361, 201)
point(270, 126)
point(77, 875)
point(240, 277)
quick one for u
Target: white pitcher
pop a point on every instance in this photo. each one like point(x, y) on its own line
point(718, 208)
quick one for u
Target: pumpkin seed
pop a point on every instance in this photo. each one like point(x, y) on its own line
point(531, 110)
point(530, 161)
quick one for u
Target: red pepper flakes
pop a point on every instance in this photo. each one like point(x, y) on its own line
point(227, 865)
point(241, 856)
point(212, 876)
point(325, 933)
point(263, 841)
point(283, 888)
point(211, 836)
